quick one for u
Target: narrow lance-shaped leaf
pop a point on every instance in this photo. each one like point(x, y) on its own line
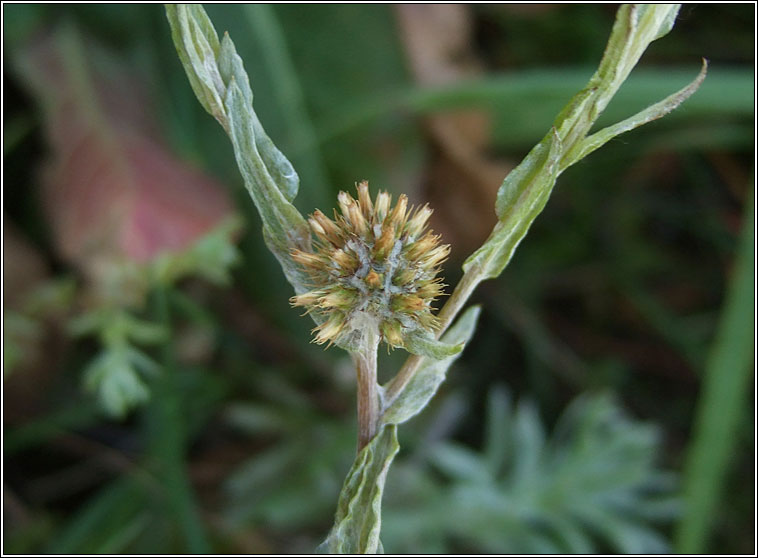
point(358, 520)
point(285, 228)
point(635, 27)
point(521, 198)
point(653, 112)
point(424, 384)
point(281, 170)
point(525, 190)
point(221, 84)
point(197, 45)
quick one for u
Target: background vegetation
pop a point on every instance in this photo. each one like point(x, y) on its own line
point(626, 304)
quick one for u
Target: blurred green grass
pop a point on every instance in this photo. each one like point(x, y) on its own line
point(618, 286)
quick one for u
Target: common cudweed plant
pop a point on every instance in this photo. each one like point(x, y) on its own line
point(369, 274)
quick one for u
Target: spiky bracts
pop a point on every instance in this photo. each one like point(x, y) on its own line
point(375, 266)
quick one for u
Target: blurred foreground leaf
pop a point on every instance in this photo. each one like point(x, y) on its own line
point(122, 208)
point(309, 456)
point(591, 486)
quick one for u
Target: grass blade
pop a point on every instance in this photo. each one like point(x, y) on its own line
point(721, 404)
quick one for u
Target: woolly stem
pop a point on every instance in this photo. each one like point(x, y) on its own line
point(368, 397)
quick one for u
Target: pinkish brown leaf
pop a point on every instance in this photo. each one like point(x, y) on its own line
point(113, 191)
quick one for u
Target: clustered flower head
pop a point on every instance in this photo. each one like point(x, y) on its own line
point(372, 266)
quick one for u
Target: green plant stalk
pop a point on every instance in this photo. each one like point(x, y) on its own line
point(722, 401)
point(169, 441)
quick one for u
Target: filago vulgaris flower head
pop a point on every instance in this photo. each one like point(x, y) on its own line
point(373, 266)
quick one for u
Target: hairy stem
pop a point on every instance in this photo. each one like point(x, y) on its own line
point(368, 395)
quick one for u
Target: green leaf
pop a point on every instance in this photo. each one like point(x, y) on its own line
point(461, 463)
point(142, 331)
point(653, 112)
point(635, 27)
point(197, 46)
point(592, 482)
point(537, 166)
point(424, 344)
point(211, 256)
point(526, 189)
point(425, 382)
point(524, 103)
point(77, 415)
point(529, 437)
point(100, 518)
point(280, 169)
point(520, 199)
point(498, 428)
point(221, 84)
point(253, 150)
point(116, 376)
point(358, 519)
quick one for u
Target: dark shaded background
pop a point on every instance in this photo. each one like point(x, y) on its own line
point(617, 287)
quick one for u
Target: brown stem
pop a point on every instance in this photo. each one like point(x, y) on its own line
point(368, 396)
